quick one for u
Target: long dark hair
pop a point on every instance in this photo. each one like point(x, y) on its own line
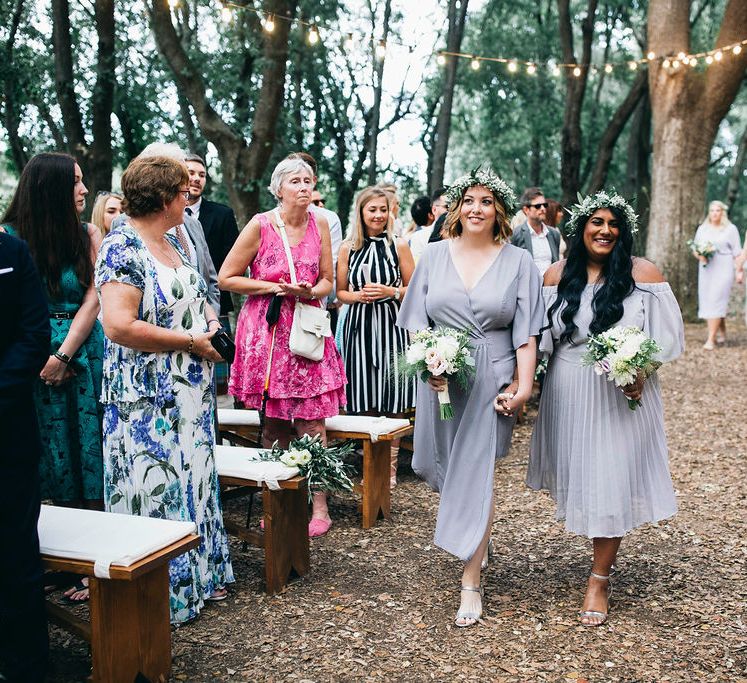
point(617, 276)
point(43, 213)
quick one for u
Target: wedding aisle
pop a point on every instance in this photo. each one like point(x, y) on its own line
point(379, 604)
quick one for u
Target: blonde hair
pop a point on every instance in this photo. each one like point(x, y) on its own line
point(357, 233)
point(99, 209)
point(453, 226)
point(724, 215)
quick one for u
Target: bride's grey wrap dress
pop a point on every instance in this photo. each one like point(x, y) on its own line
point(457, 457)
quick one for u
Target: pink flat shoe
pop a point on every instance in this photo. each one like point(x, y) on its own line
point(319, 527)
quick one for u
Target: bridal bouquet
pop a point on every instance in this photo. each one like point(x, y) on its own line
point(621, 353)
point(443, 352)
point(705, 249)
point(323, 467)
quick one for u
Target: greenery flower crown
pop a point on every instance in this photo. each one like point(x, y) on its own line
point(486, 178)
point(601, 200)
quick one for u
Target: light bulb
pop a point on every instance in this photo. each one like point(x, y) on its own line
point(531, 69)
point(556, 71)
point(718, 55)
point(577, 71)
point(475, 63)
point(513, 67)
point(666, 63)
point(651, 55)
point(608, 68)
point(633, 66)
point(441, 59)
point(709, 59)
point(681, 56)
point(736, 49)
point(173, 4)
point(226, 15)
point(349, 43)
point(313, 35)
point(270, 24)
point(381, 50)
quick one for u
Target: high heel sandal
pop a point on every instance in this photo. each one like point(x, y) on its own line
point(465, 614)
point(593, 614)
point(490, 551)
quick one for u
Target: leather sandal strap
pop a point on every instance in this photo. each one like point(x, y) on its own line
point(471, 588)
point(593, 613)
point(599, 576)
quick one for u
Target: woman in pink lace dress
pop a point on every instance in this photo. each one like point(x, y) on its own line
point(302, 393)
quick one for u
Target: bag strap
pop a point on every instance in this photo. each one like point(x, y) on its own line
point(286, 246)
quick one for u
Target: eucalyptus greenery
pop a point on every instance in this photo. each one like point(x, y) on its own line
point(485, 177)
point(586, 206)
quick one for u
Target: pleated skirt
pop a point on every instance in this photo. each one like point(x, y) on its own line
point(605, 465)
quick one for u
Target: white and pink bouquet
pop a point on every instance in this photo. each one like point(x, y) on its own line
point(443, 352)
point(704, 249)
point(621, 353)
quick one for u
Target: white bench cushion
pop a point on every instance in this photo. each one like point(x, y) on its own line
point(358, 424)
point(105, 538)
point(242, 463)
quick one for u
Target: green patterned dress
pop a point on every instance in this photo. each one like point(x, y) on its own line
point(70, 415)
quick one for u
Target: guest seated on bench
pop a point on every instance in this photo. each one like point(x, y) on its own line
point(158, 419)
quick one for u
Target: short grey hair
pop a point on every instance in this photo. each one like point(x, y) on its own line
point(163, 149)
point(285, 168)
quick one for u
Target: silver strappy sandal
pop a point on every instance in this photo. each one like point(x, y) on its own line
point(475, 616)
point(488, 556)
point(593, 614)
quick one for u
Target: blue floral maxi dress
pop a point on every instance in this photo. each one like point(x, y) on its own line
point(158, 420)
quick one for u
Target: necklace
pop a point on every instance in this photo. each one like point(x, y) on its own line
point(167, 255)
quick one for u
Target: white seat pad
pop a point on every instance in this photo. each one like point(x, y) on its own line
point(243, 463)
point(359, 424)
point(105, 538)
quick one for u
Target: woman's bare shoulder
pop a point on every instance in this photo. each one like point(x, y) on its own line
point(645, 272)
point(553, 274)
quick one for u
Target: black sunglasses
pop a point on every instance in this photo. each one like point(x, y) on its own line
point(540, 205)
point(317, 202)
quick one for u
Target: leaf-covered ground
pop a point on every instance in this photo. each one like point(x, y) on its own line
point(379, 604)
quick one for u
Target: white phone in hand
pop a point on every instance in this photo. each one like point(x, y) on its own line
point(366, 268)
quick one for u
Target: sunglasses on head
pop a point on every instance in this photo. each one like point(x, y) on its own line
point(538, 205)
point(317, 202)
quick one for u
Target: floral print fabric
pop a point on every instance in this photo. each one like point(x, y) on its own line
point(158, 420)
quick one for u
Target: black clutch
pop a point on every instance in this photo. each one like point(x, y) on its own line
point(224, 345)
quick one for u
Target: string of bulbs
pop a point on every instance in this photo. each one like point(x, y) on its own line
point(670, 62)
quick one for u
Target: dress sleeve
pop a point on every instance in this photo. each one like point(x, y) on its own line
point(736, 247)
point(119, 260)
point(662, 320)
point(530, 309)
point(546, 343)
point(412, 314)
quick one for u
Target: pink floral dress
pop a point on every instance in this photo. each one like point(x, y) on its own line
point(299, 388)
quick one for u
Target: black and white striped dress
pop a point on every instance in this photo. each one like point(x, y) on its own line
point(371, 340)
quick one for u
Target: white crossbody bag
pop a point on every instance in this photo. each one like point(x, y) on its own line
point(311, 324)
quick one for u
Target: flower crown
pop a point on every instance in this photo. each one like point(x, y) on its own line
point(486, 178)
point(601, 200)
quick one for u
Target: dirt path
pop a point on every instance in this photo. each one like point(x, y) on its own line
point(378, 605)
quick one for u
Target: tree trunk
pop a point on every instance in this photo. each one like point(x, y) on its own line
point(378, 78)
point(687, 108)
point(638, 176)
point(11, 118)
point(575, 90)
point(732, 187)
point(243, 165)
point(437, 159)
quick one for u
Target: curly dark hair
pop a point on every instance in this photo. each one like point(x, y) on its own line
point(617, 276)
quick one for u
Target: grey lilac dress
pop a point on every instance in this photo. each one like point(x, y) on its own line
point(605, 465)
point(457, 457)
point(716, 278)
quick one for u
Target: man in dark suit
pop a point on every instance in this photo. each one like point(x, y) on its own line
point(540, 240)
point(217, 220)
point(24, 349)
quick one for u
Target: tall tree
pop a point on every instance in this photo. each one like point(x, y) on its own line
point(378, 81)
point(457, 14)
point(242, 163)
point(687, 104)
point(736, 172)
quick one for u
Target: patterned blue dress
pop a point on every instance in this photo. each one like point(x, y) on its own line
point(158, 419)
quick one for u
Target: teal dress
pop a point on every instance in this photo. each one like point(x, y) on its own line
point(70, 416)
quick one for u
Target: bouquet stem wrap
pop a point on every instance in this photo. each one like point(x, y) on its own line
point(446, 412)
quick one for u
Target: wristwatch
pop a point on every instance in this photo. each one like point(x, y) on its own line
point(396, 294)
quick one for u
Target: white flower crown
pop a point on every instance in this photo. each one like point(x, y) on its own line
point(600, 200)
point(486, 178)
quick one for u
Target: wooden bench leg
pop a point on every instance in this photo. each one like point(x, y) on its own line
point(130, 631)
point(376, 493)
point(286, 514)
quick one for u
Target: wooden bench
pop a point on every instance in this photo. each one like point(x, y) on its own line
point(129, 629)
point(376, 435)
point(285, 539)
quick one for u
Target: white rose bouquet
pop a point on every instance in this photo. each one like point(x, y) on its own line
point(704, 249)
point(443, 352)
point(323, 467)
point(621, 353)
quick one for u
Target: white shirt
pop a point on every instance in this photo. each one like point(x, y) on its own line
point(195, 208)
point(541, 248)
point(419, 240)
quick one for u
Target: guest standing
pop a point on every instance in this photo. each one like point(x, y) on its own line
point(603, 463)
point(44, 212)
point(477, 281)
point(301, 393)
point(537, 237)
point(158, 421)
point(24, 345)
point(373, 272)
point(716, 276)
point(106, 208)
